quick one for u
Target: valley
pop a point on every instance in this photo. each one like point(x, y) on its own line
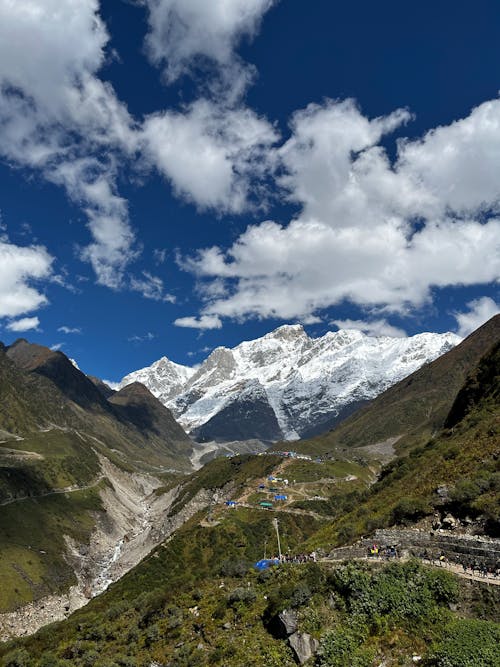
point(145, 555)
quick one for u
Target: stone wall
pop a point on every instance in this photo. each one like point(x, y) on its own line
point(457, 547)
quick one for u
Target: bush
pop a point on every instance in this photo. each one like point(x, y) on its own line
point(340, 647)
point(18, 658)
point(245, 595)
point(300, 595)
point(467, 643)
point(410, 509)
point(234, 568)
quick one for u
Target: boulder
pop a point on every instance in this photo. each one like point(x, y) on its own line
point(283, 624)
point(449, 522)
point(303, 645)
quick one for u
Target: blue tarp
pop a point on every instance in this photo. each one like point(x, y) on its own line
point(266, 563)
point(279, 497)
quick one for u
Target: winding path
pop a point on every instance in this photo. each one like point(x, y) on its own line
point(67, 489)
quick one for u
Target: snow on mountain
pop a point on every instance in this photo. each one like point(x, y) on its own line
point(164, 378)
point(308, 383)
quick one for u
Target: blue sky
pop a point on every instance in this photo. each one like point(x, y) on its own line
point(180, 174)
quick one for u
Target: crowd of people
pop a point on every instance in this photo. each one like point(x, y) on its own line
point(469, 565)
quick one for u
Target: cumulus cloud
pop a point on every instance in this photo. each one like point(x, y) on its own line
point(371, 328)
point(203, 322)
point(479, 311)
point(21, 268)
point(55, 113)
point(188, 33)
point(213, 156)
point(370, 231)
point(24, 324)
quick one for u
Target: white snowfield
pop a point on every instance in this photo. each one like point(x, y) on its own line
point(305, 380)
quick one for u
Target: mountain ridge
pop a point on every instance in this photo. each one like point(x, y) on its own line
point(309, 383)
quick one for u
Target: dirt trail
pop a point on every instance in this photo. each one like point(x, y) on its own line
point(54, 492)
point(451, 567)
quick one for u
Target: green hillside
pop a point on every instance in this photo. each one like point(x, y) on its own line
point(54, 426)
point(196, 600)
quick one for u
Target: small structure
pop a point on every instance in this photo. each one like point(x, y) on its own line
point(266, 505)
point(262, 486)
point(280, 496)
point(231, 503)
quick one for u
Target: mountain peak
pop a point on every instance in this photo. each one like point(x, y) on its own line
point(309, 383)
point(287, 332)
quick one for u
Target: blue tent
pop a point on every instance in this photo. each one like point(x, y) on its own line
point(266, 563)
point(280, 497)
point(231, 503)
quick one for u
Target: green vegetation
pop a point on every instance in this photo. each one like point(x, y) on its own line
point(307, 471)
point(32, 554)
point(360, 614)
point(236, 471)
point(463, 461)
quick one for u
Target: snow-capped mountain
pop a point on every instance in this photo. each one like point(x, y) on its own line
point(286, 384)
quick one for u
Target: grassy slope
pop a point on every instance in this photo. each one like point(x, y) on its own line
point(415, 408)
point(58, 442)
point(465, 458)
point(360, 613)
point(32, 544)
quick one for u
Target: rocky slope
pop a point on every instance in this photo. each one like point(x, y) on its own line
point(286, 384)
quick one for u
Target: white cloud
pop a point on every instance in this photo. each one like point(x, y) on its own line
point(212, 156)
point(69, 330)
point(186, 33)
point(479, 311)
point(203, 322)
point(369, 232)
point(151, 287)
point(371, 328)
point(311, 319)
point(458, 163)
point(55, 112)
point(20, 268)
point(24, 324)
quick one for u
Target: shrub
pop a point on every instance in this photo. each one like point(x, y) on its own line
point(467, 643)
point(410, 509)
point(234, 568)
point(340, 647)
point(18, 658)
point(245, 595)
point(301, 595)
